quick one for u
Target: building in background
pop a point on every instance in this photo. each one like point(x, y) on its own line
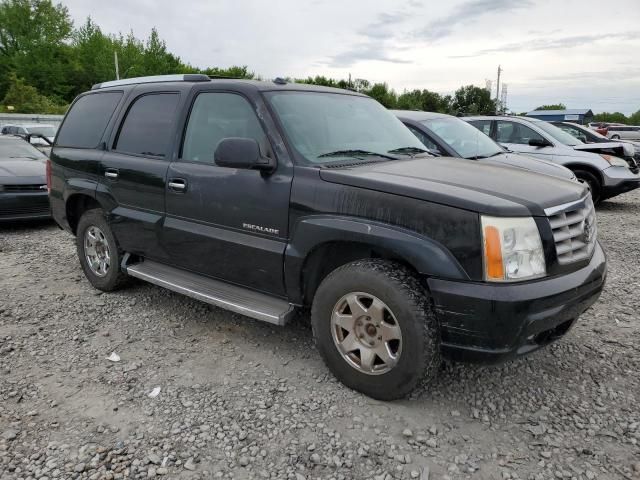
point(575, 115)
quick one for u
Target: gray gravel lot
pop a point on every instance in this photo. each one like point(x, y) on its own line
point(242, 399)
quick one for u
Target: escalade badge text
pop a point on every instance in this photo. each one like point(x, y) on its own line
point(258, 228)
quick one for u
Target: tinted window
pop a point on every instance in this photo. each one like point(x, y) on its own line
point(86, 121)
point(426, 141)
point(511, 132)
point(216, 116)
point(146, 129)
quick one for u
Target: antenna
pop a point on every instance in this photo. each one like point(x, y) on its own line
point(115, 59)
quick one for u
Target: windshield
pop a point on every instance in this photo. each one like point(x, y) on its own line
point(45, 131)
point(558, 134)
point(326, 126)
point(11, 149)
point(464, 138)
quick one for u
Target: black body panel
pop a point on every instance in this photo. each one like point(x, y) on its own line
point(489, 322)
point(487, 189)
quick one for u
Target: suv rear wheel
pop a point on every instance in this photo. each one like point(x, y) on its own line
point(375, 329)
point(98, 251)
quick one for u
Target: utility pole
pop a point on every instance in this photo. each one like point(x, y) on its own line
point(115, 59)
point(498, 89)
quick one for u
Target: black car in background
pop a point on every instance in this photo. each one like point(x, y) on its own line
point(448, 136)
point(23, 184)
point(630, 148)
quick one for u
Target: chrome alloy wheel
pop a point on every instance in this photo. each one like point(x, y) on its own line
point(96, 251)
point(366, 333)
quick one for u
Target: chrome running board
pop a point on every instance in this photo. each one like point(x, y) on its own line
point(224, 295)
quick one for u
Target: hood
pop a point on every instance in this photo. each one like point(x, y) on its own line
point(17, 167)
point(617, 148)
point(479, 187)
point(532, 164)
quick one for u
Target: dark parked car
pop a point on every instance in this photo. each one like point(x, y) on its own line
point(452, 137)
point(23, 184)
point(627, 149)
point(266, 197)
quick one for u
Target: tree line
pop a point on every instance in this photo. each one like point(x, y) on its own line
point(45, 62)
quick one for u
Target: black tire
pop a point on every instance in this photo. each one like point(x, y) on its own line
point(593, 182)
point(615, 137)
point(114, 277)
point(409, 303)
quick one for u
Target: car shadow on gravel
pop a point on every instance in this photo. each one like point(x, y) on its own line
point(26, 225)
point(616, 206)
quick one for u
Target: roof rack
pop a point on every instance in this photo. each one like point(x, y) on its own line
point(189, 77)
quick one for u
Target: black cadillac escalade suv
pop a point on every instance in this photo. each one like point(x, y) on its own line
point(266, 197)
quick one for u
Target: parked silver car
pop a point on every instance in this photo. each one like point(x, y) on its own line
point(606, 175)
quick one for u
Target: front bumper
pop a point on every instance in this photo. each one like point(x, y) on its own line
point(618, 180)
point(24, 206)
point(484, 322)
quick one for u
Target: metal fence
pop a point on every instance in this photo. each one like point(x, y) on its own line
point(20, 118)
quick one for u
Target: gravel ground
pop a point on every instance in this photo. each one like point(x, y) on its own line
point(242, 399)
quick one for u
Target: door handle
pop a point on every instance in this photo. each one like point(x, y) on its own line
point(177, 184)
point(111, 173)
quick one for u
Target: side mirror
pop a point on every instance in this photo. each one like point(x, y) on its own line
point(539, 142)
point(234, 152)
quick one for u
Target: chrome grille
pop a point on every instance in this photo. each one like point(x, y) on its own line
point(574, 230)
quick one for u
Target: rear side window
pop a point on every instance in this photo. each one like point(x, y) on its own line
point(88, 118)
point(216, 116)
point(146, 129)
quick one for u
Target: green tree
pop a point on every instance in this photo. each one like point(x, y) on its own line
point(26, 99)
point(93, 55)
point(472, 100)
point(615, 117)
point(424, 100)
point(554, 106)
point(634, 118)
point(383, 94)
point(34, 38)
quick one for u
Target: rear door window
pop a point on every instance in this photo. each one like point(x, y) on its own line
point(87, 120)
point(146, 130)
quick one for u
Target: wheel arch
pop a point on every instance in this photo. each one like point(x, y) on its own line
point(589, 168)
point(321, 244)
point(75, 205)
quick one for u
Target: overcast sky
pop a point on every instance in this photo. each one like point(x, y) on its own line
point(584, 53)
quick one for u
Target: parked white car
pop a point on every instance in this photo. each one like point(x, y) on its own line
point(606, 175)
point(623, 132)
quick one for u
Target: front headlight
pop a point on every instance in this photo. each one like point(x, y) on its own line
point(615, 161)
point(512, 249)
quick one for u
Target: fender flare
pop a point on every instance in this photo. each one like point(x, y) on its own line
point(425, 255)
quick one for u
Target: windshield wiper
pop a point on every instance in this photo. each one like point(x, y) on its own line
point(409, 150)
point(25, 156)
point(355, 153)
point(479, 157)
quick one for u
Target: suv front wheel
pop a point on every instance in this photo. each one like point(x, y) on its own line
point(98, 251)
point(375, 329)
